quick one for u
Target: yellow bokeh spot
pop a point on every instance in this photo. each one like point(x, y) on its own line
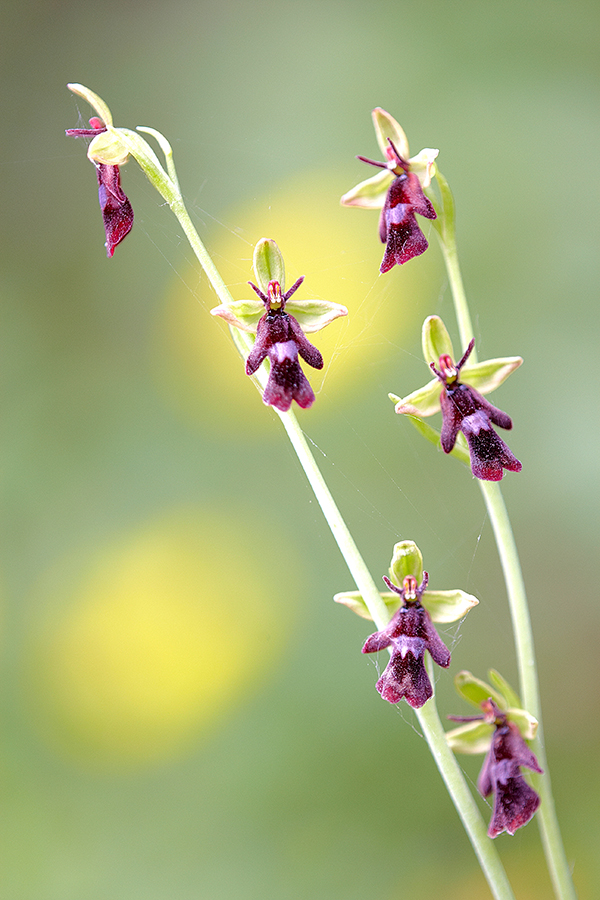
point(170, 628)
point(198, 370)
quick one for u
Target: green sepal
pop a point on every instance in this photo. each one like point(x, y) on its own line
point(312, 315)
point(472, 737)
point(94, 100)
point(436, 341)
point(407, 559)
point(268, 265)
point(525, 722)
point(476, 691)
point(423, 402)
point(442, 606)
point(242, 314)
point(107, 148)
point(486, 376)
point(387, 127)
point(424, 167)
point(371, 193)
point(501, 684)
point(354, 601)
point(448, 606)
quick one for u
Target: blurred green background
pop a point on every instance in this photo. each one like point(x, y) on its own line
point(186, 714)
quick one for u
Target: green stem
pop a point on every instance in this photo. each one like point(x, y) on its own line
point(509, 558)
point(447, 232)
point(428, 716)
point(466, 807)
point(529, 685)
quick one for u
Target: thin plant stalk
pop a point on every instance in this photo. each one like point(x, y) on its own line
point(511, 567)
point(428, 717)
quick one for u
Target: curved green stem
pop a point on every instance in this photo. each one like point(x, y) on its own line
point(529, 686)
point(446, 223)
point(528, 679)
point(428, 716)
point(466, 807)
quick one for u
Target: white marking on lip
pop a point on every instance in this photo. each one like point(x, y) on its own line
point(285, 350)
point(398, 214)
point(476, 422)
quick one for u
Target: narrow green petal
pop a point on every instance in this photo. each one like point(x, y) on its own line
point(268, 264)
point(476, 691)
point(407, 559)
point(436, 341)
point(94, 100)
point(166, 148)
point(525, 722)
point(369, 194)
point(448, 606)
point(472, 737)
point(314, 314)
point(423, 165)
point(387, 127)
point(147, 159)
point(511, 697)
point(486, 376)
point(354, 601)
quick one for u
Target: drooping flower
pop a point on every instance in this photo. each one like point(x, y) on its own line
point(398, 191)
point(515, 801)
point(464, 409)
point(410, 633)
point(280, 335)
point(462, 404)
point(117, 213)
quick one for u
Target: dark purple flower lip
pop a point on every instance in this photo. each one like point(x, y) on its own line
point(280, 338)
point(465, 409)
point(515, 801)
point(398, 228)
point(410, 633)
point(117, 213)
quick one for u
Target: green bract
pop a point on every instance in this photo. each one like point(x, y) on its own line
point(475, 737)
point(442, 606)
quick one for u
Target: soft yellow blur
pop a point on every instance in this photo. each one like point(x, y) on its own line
point(316, 237)
point(166, 631)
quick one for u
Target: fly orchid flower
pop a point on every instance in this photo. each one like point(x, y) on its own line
point(280, 336)
point(464, 409)
point(397, 191)
point(410, 631)
point(457, 390)
point(117, 213)
point(501, 732)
